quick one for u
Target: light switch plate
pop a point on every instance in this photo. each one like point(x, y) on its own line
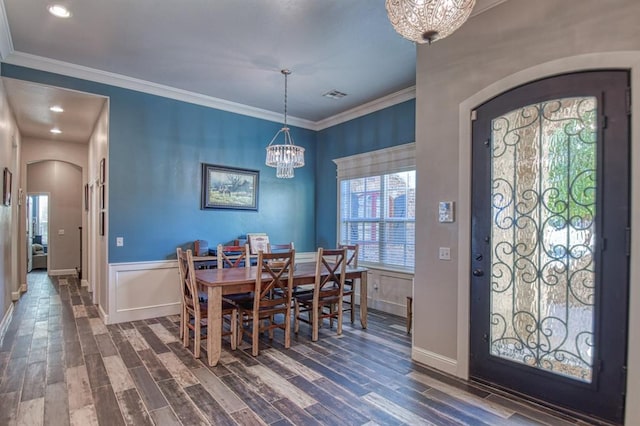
point(445, 211)
point(60, 231)
point(444, 253)
point(119, 241)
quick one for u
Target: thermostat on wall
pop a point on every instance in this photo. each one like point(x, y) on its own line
point(445, 211)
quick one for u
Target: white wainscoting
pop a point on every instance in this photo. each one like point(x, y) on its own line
point(142, 290)
point(387, 290)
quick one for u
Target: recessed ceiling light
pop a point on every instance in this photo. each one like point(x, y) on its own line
point(56, 131)
point(59, 11)
point(56, 108)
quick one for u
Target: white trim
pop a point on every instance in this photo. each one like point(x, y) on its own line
point(364, 109)
point(15, 296)
point(119, 80)
point(592, 61)
point(6, 44)
point(434, 360)
point(56, 272)
point(103, 315)
point(23, 288)
point(6, 320)
point(84, 283)
point(382, 161)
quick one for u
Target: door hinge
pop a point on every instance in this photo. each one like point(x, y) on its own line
point(628, 96)
point(474, 115)
point(605, 121)
point(624, 380)
point(600, 365)
point(628, 241)
point(603, 244)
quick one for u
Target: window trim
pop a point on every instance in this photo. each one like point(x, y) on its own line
point(400, 158)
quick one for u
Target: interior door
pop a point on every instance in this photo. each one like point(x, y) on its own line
point(550, 235)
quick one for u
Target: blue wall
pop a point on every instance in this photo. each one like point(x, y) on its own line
point(382, 129)
point(156, 147)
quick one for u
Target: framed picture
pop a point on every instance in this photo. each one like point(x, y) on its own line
point(229, 188)
point(102, 218)
point(102, 196)
point(6, 187)
point(257, 242)
point(86, 197)
point(103, 172)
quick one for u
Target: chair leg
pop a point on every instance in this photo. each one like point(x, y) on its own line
point(182, 325)
point(234, 329)
point(353, 310)
point(196, 338)
point(315, 313)
point(185, 330)
point(287, 330)
point(340, 317)
point(254, 335)
point(296, 313)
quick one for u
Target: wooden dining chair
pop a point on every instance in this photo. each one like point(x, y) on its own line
point(350, 284)
point(276, 248)
point(269, 307)
point(233, 256)
point(194, 312)
point(325, 301)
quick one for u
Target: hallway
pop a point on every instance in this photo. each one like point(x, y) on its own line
point(61, 365)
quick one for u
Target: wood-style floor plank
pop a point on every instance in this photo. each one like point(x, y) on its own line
point(59, 365)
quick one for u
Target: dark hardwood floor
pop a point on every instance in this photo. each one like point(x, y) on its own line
point(61, 365)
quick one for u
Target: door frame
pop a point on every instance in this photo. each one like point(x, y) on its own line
point(629, 60)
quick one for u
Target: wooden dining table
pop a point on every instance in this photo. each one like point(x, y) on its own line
point(220, 282)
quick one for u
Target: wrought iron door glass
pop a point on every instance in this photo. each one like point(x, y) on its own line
point(543, 196)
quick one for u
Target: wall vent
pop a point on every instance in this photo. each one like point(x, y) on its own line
point(335, 94)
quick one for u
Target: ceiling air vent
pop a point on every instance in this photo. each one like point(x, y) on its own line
point(335, 94)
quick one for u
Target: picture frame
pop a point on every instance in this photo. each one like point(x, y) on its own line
point(103, 171)
point(6, 186)
point(257, 242)
point(229, 188)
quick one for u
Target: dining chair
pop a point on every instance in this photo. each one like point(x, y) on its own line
point(325, 301)
point(233, 256)
point(275, 248)
point(194, 312)
point(269, 307)
point(350, 284)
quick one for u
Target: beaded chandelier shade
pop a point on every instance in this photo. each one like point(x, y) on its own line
point(286, 156)
point(425, 21)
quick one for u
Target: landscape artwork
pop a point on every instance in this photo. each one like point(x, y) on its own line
point(229, 188)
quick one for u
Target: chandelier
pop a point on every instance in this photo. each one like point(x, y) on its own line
point(286, 156)
point(425, 21)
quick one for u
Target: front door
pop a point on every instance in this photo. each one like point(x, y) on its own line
point(550, 235)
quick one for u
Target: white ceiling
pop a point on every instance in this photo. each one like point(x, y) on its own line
point(219, 52)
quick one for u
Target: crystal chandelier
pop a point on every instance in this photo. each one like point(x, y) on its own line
point(287, 156)
point(425, 21)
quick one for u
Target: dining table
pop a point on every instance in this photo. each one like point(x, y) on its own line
point(225, 281)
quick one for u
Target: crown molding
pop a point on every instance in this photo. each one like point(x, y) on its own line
point(118, 80)
point(364, 109)
point(6, 44)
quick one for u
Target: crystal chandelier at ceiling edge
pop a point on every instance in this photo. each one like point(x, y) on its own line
point(425, 21)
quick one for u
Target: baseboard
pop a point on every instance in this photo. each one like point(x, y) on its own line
point(434, 360)
point(6, 320)
point(145, 312)
point(84, 283)
point(15, 295)
point(55, 272)
point(103, 315)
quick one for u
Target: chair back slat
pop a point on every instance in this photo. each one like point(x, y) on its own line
point(275, 282)
point(333, 262)
point(233, 256)
point(352, 254)
point(188, 280)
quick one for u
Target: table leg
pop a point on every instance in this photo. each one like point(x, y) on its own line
point(363, 299)
point(214, 324)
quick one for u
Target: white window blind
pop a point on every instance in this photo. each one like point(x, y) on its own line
point(376, 199)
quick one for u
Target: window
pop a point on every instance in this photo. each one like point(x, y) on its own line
point(376, 198)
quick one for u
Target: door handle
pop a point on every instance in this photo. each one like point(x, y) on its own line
point(478, 272)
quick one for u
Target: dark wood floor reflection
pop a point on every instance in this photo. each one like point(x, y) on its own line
point(61, 365)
